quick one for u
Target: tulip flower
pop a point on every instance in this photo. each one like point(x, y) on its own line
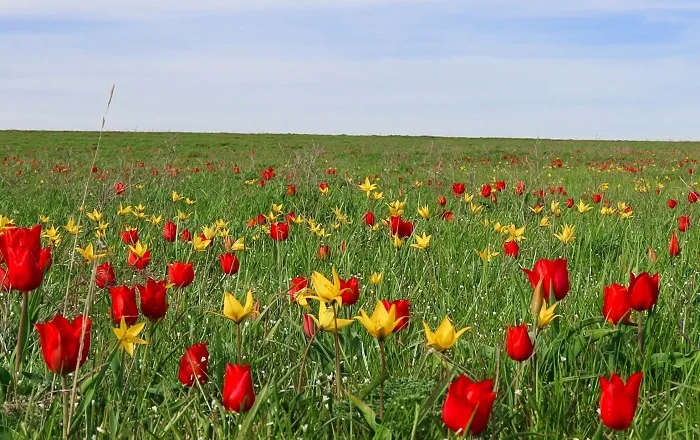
point(683, 223)
point(567, 234)
point(554, 276)
point(422, 241)
point(119, 188)
point(309, 326)
point(324, 252)
point(327, 322)
point(693, 196)
point(279, 231)
point(511, 248)
point(170, 231)
point(369, 218)
point(485, 190)
point(616, 304)
point(350, 291)
point(154, 302)
point(130, 236)
point(643, 291)
point(21, 250)
point(124, 304)
point(376, 278)
point(500, 185)
point(520, 188)
point(403, 308)
point(298, 289)
point(674, 249)
point(400, 227)
point(618, 400)
point(181, 274)
point(229, 263)
point(444, 337)
point(234, 310)
point(382, 322)
point(671, 204)
point(60, 343)
point(327, 291)
point(546, 315)
point(458, 189)
point(238, 394)
point(194, 365)
point(597, 198)
point(468, 405)
point(442, 201)
point(104, 275)
point(291, 190)
point(139, 256)
point(518, 343)
point(128, 336)
point(367, 187)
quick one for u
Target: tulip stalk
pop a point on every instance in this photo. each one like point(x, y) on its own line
point(20, 335)
point(336, 339)
point(302, 366)
point(239, 344)
point(66, 406)
point(382, 355)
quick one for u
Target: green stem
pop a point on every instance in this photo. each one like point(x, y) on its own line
point(20, 334)
point(239, 338)
point(64, 391)
point(337, 351)
point(144, 367)
point(302, 366)
point(382, 355)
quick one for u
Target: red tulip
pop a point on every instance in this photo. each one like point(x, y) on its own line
point(447, 216)
point(458, 189)
point(279, 231)
point(616, 304)
point(518, 343)
point(291, 190)
point(104, 275)
point(297, 285)
point(309, 326)
point(442, 201)
point(194, 365)
point(597, 198)
point(671, 203)
point(570, 203)
point(511, 248)
point(400, 227)
point(554, 276)
point(60, 343)
point(185, 236)
point(468, 405)
point(124, 304)
point(139, 263)
point(229, 263)
point(324, 251)
point(643, 291)
point(683, 223)
point(261, 219)
point(693, 196)
point(130, 236)
point(485, 190)
point(618, 401)
point(181, 274)
point(238, 394)
point(673, 247)
point(369, 218)
point(500, 185)
point(119, 188)
point(154, 302)
point(350, 291)
point(169, 231)
point(520, 188)
point(403, 311)
point(323, 186)
point(21, 250)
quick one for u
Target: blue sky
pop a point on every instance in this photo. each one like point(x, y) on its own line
point(611, 69)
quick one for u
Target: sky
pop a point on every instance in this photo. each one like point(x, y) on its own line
point(597, 69)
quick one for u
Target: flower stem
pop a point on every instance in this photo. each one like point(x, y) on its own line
point(64, 391)
point(144, 366)
point(337, 351)
point(238, 344)
point(382, 355)
point(20, 334)
point(303, 362)
point(640, 333)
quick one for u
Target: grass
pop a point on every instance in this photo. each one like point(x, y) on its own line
point(553, 395)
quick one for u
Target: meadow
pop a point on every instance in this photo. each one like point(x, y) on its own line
point(230, 280)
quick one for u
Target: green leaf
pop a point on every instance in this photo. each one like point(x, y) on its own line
point(380, 432)
point(673, 359)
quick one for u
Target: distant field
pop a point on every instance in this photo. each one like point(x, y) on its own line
point(301, 204)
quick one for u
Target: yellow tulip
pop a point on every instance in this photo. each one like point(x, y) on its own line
point(444, 337)
point(546, 315)
point(327, 321)
point(128, 336)
point(326, 290)
point(376, 278)
point(424, 212)
point(422, 241)
point(382, 322)
point(236, 312)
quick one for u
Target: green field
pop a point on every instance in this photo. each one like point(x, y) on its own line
point(553, 394)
